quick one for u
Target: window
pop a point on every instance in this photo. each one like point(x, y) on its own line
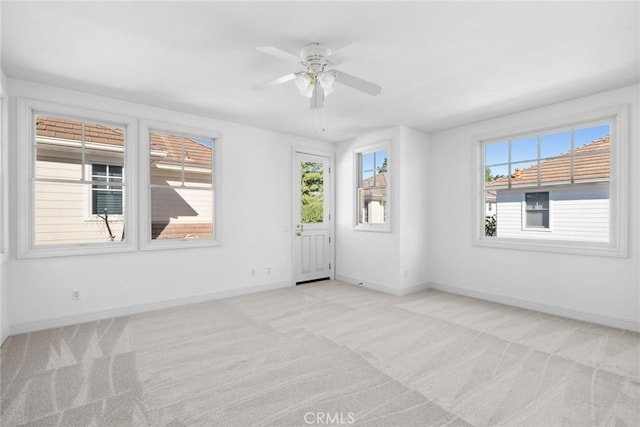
point(181, 191)
point(106, 197)
point(72, 197)
point(567, 180)
point(537, 209)
point(373, 189)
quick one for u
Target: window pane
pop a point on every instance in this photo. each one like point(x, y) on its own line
point(555, 144)
point(490, 214)
point(496, 175)
point(107, 201)
point(372, 205)
point(556, 170)
point(166, 159)
point(367, 165)
point(524, 149)
point(524, 173)
point(587, 135)
point(496, 153)
point(60, 216)
point(312, 193)
point(58, 148)
point(99, 170)
point(537, 201)
point(539, 219)
point(592, 167)
point(381, 161)
point(181, 213)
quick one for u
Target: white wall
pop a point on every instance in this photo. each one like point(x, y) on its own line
point(255, 220)
point(595, 288)
point(387, 261)
point(4, 137)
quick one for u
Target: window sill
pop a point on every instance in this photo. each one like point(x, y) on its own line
point(560, 246)
point(383, 228)
point(53, 251)
point(185, 243)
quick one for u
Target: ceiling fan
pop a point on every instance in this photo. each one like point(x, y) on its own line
point(317, 79)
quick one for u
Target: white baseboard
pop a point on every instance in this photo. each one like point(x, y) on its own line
point(383, 288)
point(41, 324)
point(628, 324)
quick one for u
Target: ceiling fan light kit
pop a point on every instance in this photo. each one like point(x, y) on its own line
point(317, 81)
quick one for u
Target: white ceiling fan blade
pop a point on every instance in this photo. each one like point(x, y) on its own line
point(274, 82)
point(347, 53)
point(279, 53)
point(357, 83)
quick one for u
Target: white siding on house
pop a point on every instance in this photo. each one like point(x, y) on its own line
point(62, 213)
point(575, 214)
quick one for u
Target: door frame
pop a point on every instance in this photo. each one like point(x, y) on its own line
point(295, 198)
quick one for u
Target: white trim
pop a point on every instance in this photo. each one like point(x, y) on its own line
point(146, 154)
point(386, 289)
point(617, 116)
point(357, 152)
point(56, 322)
point(615, 322)
point(26, 110)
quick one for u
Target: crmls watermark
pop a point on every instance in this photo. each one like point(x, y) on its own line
point(330, 418)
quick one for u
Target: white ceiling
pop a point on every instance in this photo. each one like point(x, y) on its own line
point(440, 64)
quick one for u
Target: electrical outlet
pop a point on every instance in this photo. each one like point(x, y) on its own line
point(253, 272)
point(268, 270)
point(75, 295)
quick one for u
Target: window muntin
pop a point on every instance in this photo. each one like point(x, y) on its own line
point(181, 178)
point(64, 149)
point(372, 191)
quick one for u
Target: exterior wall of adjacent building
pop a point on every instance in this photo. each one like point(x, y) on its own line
point(579, 213)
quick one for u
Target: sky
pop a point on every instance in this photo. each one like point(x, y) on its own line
point(368, 162)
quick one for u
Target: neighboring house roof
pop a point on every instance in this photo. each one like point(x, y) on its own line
point(167, 147)
point(193, 151)
point(55, 127)
point(377, 187)
point(590, 162)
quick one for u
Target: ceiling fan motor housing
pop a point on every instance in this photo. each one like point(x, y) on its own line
point(314, 57)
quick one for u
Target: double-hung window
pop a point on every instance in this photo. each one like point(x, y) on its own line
point(372, 193)
point(558, 188)
point(73, 195)
point(180, 208)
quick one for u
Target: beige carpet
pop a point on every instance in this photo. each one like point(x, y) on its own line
point(325, 353)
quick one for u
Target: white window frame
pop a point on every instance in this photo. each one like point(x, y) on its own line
point(357, 153)
point(27, 109)
point(617, 117)
point(146, 243)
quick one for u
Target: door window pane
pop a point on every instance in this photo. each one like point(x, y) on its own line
point(312, 192)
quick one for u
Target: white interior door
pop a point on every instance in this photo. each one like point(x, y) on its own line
point(313, 246)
